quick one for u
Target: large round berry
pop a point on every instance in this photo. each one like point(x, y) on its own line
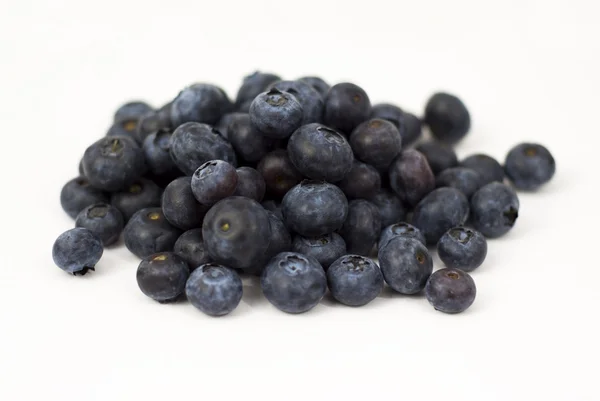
point(326, 249)
point(276, 114)
point(102, 219)
point(202, 103)
point(450, 290)
point(462, 248)
point(77, 194)
point(148, 232)
point(411, 177)
point(376, 142)
point(405, 264)
point(346, 106)
point(162, 276)
point(77, 251)
point(494, 209)
point(213, 181)
point(214, 289)
point(447, 117)
point(354, 280)
point(529, 166)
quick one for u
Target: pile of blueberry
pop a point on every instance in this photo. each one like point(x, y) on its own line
point(299, 183)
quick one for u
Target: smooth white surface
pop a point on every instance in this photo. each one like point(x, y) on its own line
point(528, 70)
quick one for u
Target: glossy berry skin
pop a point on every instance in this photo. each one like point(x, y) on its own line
point(309, 98)
point(162, 276)
point(318, 84)
point(193, 144)
point(112, 163)
point(133, 110)
point(487, 167)
point(529, 166)
point(201, 103)
point(214, 289)
point(346, 106)
point(464, 179)
point(320, 153)
point(408, 124)
point(439, 211)
point(376, 142)
point(494, 209)
point(279, 173)
point(276, 114)
point(280, 241)
point(389, 205)
point(326, 249)
point(447, 117)
point(294, 283)
point(462, 248)
point(362, 227)
point(250, 183)
point(248, 142)
point(213, 181)
point(103, 220)
point(252, 86)
point(77, 194)
point(354, 280)
point(450, 290)
point(236, 232)
point(180, 207)
point(190, 247)
point(148, 232)
point(314, 208)
point(411, 177)
point(141, 194)
point(77, 251)
point(156, 149)
point(362, 181)
point(400, 229)
point(439, 156)
point(406, 265)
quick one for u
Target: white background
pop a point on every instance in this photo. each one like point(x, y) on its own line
point(528, 70)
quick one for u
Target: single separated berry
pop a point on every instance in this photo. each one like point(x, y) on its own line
point(139, 195)
point(77, 194)
point(314, 208)
point(450, 290)
point(213, 181)
point(389, 205)
point(148, 232)
point(103, 220)
point(354, 280)
point(320, 153)
point(411, 177)
point(276, 114)
point(487, 167)
point(401, 229)
point(180, 207)
point(326, 249)
point(405, 264)
point(346, 106)
point(190, 247)
point(77, 251)
point(162, 276)
point(439, 156)
point(250, 184)
point(279, 173)
point(294, 283)
point(447, 117)
point(494, 209)
point(362, 227)
point(529, 166)
point(309, 98)
point(253, 85)
point(464, 179)
point(376, 142)
point(462, 248)
point(214, 289)
point(201, 103)
point(362, 181)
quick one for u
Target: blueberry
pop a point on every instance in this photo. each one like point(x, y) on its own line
point(309, 98)
point(462, 248)
point(276, 114)
point(247, 141)
point(376, 142)
point(132, 111)
point(153, 121)
point(411, 177)
point(494, 209)
point(103, 220)
point(252, 86)
point(529, 166)
point(180, 206)
point(405, 264)
point(190, 247)
point(314, 208)
point(77, 194)
point(346, 106)
point(77, 251)
point(193, 144)
point(156, 149)
point(439, 156)
point(251, 184)
point(401, 229)
point(413, 129)
point(408, 124)
point(362, 227)
point(201, 103)
point(326, 249)
point(439, 211)
point(80, 168)
point(214, 289)
point(487, 167)
point(148, 232)
point(162, 276)
point(354, 280)
point(279, 173)
point(450, 290)
point(213, 181)
point(362, 181)
point(236, 232)
point(464, 179)
point(223, 125)
point(294, 283)
point(318, 84)
point(447, 117)
point(124, 129)
point(320, 153)
point(112, 163)
point(141, 194)
point(280, 241)
point(389, 205)
point(273, 206)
